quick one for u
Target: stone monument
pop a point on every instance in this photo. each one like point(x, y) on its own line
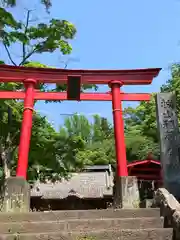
point(167, 123)
point(16, 195)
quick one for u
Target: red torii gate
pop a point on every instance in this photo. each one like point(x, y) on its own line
point(74, 78)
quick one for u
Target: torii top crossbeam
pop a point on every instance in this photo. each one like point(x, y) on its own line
point(51, 75)
point(74, 78)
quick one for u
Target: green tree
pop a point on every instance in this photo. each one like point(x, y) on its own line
point(101, 128)
point(10, 122)
point(36, 38)
point(52, 154)
point(141, 131)
point(173, 85)
point(98, 139)
point(78, 125)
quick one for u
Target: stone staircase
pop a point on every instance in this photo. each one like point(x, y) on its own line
point(123, 224)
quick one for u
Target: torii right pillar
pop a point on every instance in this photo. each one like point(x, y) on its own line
point(126, 192)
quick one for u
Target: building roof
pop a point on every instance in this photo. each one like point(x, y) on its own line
point(140, 163)
point(82, 185)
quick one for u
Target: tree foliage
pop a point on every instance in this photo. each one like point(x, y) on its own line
point(36, 38)
point(97, 136)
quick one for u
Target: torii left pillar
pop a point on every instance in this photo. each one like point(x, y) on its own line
point(17, 195)
point(26, 128)
point(126, 193)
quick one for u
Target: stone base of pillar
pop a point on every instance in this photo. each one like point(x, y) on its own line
point(126, 192)
point(15, 195)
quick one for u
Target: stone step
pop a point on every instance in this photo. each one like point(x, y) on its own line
point(125, 234)
point(77, 214)
point(81, 225)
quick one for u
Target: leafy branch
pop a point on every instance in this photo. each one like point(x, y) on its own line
point(39, 38)
point(8, 53)
point(25, 32)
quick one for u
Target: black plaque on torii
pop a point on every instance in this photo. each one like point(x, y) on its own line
point(167, 122)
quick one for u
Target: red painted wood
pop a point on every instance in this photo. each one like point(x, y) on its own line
point(120, 145)
point(83, 96)
point(25, 136)
point(138, 169)
point(145, 169)
point(50, 75)
point(74, 88)
point(135, 163)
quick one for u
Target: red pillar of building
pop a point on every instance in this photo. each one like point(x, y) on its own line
point(25, 136)
point(119, 129)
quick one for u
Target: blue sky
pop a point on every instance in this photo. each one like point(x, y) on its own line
point(117, 34)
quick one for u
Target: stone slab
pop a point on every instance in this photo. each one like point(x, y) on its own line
point(16, 196)
point(167, 123)
point(129, 234)
point(78, 214)
point(81, 225)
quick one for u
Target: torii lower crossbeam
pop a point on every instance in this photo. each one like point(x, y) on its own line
point(83, 97)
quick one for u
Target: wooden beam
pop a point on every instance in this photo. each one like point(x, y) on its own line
point(74, 88)
point(52, 75)
point(83, 96)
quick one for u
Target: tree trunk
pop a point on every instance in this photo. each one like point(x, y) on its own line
point(5, 162)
